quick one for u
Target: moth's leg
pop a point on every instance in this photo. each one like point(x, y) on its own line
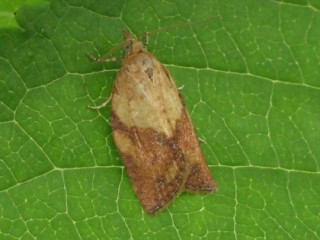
point(201, 140)
point(181, 87)
point(99, 60)
point(105, 103)
point(102, 59)
point(147, 39)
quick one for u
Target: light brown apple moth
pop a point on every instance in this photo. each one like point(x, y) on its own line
point(153, 131)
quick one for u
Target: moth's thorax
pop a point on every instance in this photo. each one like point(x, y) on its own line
point(132, 45)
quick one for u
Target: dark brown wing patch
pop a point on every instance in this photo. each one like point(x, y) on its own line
point(199, 178)
point(155, 164)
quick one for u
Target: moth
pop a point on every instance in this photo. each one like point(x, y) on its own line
point(153, 131)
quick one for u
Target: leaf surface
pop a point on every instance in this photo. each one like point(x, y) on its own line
point(251, 84)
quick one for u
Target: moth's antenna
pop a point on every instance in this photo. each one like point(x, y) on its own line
point(147, 34)
point(106, 57)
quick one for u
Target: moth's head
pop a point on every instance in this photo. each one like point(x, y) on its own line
point(131, 44)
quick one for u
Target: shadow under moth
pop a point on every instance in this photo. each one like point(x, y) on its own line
point(153, 131)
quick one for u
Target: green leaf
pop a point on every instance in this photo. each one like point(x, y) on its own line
point(251, 84)
point(8, 10)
